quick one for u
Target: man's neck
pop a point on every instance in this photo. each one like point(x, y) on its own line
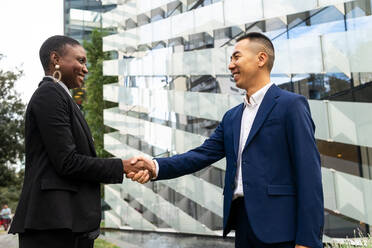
point(257, 84)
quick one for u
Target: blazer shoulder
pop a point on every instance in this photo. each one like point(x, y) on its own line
point(233, 110)
point(289, 97)
point(48, 90)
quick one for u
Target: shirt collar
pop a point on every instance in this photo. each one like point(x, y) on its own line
point(257, 97)
point(60, 83)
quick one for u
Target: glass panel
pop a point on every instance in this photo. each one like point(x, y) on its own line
point(338, 226)
point(161, 30)
point(177, 64)
point(282, 63)
point(219, 61)
point(336, 53)
point(340, 157)
point(145, 33)
point(164, 210)
point(203, 57)
point(355, 129)
point(353, 196)
point(125, 212)
point(329, 189)
point(239, 12)
point(356, 126)
point(147, 64)
point(110, 67)
point(284, 7)
point(209, 18)
point(182, 24)
point(199, 191)
point(160, 61)
point(308, 48)
point(320, 117)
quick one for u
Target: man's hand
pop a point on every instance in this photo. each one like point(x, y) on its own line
point(138, 170)
point(301, 246)
point(142, 176)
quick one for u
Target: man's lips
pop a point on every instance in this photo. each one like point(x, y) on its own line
point(235, 75)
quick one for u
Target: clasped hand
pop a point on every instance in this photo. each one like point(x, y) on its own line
point(139, 169)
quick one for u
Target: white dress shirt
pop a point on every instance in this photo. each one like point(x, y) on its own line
point(249, 114)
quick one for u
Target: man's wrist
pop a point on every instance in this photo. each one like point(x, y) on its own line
point(156, 169)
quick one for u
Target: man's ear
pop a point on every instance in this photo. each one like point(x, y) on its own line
point(262, 59)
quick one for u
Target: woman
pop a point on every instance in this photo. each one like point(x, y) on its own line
point(59, 205)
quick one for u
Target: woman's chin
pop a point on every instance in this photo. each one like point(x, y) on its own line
point(79, 84)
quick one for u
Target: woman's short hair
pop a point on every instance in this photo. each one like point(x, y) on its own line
point(57, 44)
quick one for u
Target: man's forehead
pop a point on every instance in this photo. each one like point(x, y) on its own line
point(242, 45)
point(245, 45)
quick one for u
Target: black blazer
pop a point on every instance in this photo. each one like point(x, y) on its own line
point(62, 176)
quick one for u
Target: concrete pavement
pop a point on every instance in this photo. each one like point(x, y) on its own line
point(8, 240)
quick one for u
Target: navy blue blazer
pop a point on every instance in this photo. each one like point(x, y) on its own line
point(281, 169)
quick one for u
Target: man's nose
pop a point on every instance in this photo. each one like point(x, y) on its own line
point(231, 66)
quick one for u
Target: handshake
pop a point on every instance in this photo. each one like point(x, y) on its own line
point(139, 169)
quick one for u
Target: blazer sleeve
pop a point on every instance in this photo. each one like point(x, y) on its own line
point(306, 160)
point(52, 114)
point(210, 151)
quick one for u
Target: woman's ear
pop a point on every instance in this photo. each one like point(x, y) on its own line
point(54, 58)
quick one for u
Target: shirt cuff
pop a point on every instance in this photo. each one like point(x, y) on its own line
point(157, 168)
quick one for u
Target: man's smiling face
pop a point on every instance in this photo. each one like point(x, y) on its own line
point(244, 63)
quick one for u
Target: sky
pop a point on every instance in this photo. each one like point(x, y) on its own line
point(25, 25)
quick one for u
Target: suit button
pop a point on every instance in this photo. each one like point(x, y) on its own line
point(232, 186)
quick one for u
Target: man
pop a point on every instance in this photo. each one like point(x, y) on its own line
point(60, 201)
point(273, 191)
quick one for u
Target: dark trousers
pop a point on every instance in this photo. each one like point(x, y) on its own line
point(58, 238)
point(244, 235)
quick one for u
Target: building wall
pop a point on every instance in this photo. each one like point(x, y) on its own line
point(174, 87)
point(82, 16)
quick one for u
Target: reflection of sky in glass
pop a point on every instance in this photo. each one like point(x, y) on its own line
point(360, 23)
point(316, 30)
point(329, 21)
point(340, 76)
point(299, 77)
point(355, 12)
point(279, 79)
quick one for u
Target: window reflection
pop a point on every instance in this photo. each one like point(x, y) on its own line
point(338, 226)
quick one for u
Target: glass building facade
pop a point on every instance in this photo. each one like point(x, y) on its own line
point(82, 16)
point(174, 87)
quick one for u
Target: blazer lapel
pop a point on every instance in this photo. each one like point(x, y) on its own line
point(237, 120)
point(80, 116)
point(266, 106)
point(85, 126)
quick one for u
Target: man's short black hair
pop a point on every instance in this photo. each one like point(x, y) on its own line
point(266, 43)
point(57, 44)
